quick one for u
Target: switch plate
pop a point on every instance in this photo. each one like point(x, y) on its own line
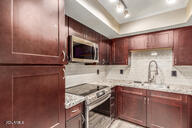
point(97, 71)
point(174, 73)
point(121, 71)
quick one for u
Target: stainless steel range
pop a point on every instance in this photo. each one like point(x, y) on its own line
point(97, 104)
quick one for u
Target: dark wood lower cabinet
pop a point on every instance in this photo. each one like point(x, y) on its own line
point(32, 94)
point(154, 109)
point(132, 105)
point(166, 110)
point(189, 111)
point(75, 122)
point(74, 116)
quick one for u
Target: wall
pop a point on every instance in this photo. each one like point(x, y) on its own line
point(79, 73)
point(138, 70)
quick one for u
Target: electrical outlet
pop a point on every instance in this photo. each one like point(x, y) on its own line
point(97, 71)
point(121, 71)
point(174, 73)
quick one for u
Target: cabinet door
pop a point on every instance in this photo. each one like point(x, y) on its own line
point(104, 51)
point(132, 106)
point(76, 28)
point(66, 39)
point(139, 42)
point(89, 34)
point(120, 51)
point(34, 95)
point(161, 40)
point(183, 46)
point(31, 32)
point(75, 122)
point(189, 111)
point(166, 110)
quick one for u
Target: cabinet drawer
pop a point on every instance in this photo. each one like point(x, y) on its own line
point(167, 96)
point(74, 111)
point(134, 91)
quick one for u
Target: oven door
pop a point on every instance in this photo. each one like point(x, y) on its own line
point(83, 51)
point(98, 113)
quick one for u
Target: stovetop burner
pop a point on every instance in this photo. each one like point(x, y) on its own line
point(85, 89)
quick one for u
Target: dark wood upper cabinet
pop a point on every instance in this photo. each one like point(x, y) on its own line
point(76, 28)
point(183, 46)
point(33, 94)
point(89, 34)
point(139, 42)
point(166, 110)
point(120, 51)
point(104, 51)
point(32, 32)
point(66, 39)
point(132, 105)
point(160, 40)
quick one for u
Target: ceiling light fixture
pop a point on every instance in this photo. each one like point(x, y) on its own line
point(113, 1)
point(126, 14)
point(171, 1)
point(120, 7)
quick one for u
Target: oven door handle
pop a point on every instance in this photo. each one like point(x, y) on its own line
point(90, 107)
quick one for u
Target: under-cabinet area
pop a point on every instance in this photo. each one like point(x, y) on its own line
point(95, 63)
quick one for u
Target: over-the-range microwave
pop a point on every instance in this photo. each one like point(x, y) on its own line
point(83, 51)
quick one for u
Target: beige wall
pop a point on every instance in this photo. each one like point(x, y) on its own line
point(154, 22)
point(99, 11)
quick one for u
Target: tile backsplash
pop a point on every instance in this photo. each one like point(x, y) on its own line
point(138, 71)
point(77, 73)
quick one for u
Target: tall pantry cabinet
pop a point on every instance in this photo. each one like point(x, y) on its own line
point(32, 58)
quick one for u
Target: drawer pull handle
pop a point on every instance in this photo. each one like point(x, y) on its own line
point(74, 111)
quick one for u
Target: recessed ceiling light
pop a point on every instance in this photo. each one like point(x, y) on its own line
point(126, 14)
point(171, 1)
point(113, 1)
point(119, 8)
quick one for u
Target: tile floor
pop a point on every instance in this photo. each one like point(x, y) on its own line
point(123, 124)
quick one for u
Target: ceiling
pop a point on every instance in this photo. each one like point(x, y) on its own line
point(146, 16)
point(140, 9)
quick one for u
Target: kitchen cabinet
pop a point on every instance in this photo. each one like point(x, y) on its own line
point(32, 32)
point(74, 117)
point(162, 39)
point(66, 39)
point(82, 31)
point(189, 111)
point(183, 46)
point(132, 105)
point(154, 109)
point(32, 94)
point(167, 110)
point(139, 42)
point(120, 51)
point(76, 122)
point(104, 51)
point(76, 28)
point(89, 34)
point(113, 104)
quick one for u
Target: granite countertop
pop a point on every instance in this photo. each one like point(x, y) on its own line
point(180, 89)
point(72, 100)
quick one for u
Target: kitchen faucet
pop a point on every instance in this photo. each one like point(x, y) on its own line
point(150, 77)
